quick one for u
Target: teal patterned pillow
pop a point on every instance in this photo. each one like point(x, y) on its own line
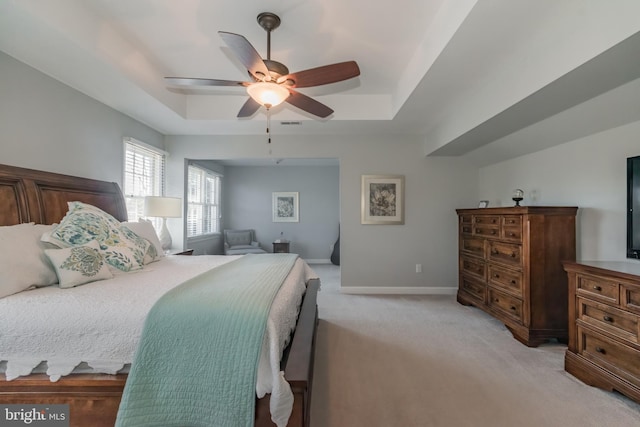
point(150, 254)
point(83, 223)
point(79, 264)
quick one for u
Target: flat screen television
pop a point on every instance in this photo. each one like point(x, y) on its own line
point(633, 207)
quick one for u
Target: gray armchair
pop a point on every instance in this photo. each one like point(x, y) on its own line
point(240, 242)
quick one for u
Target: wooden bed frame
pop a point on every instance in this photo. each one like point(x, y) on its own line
point(28, 195)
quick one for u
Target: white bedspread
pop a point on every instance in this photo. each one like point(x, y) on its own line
point(100, 323)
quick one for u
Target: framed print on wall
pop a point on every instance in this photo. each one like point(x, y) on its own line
point(285, 207)
point(382, 199)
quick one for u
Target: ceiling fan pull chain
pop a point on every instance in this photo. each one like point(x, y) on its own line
point(269, 124)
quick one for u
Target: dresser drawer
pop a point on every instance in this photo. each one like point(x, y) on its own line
point(504, 303)
point(630, 298)
point(486, 230)
point(512, 233)
point(512, 221)
point(598, 289)
point(493, 220)
point(473, 267)
point(466, 224)
point(505, 253)
point(473, 246)
point(511, 228)
point(617, 322)
point(471, 287)
point(620, 359)
point(466, 228)
point(509, 281)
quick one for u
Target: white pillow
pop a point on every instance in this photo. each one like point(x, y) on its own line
point(144, 229)
point(79, 264)
point(23, 263)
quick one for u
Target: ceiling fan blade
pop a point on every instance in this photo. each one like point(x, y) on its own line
point(187, 81)
point(323, 75)
point(247, 54)
point(249, 108)
point(308, 104)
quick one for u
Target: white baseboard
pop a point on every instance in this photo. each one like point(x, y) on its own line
point(404, 290)
point(318, 261)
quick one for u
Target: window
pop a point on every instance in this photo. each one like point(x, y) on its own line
point(143, 176)
point(203, 202)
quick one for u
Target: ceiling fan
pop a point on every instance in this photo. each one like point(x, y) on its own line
point(271, 82)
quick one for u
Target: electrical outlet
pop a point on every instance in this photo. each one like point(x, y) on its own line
point(418, 268)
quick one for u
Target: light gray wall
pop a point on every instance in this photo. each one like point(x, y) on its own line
point(589, 173)
point(371, 255)
point(47, 125)
point(247, 204)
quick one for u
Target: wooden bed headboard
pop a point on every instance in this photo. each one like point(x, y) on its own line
point(28, 195)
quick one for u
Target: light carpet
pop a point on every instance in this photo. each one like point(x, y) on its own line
point(428, 361)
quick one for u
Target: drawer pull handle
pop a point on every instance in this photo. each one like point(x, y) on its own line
point(513, 307)
point(496, 300)
point(607, 319)
point(497, 276)
point(493, 221)
point(493, 232)
point(513, 254)
point(513, 282)
point(512, 234)
point(597, 288)
point(601, 350)
point(478, 231)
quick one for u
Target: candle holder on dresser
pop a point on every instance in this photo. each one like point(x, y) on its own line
point(518, 195)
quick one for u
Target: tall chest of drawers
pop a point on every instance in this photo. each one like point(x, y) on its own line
point(510, 265)
point(604, 325)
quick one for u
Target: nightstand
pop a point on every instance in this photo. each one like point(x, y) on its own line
point(280, 247)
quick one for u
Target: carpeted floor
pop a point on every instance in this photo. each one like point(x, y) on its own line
point(405, 361)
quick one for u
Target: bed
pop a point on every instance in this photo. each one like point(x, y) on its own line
point(42, 197)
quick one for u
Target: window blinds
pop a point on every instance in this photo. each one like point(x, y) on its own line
point(203, 203)
point(143, 175)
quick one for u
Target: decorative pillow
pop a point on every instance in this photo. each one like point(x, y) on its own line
point(79, 264)
point(23, 263)
point(144, 229)
point(84, 223)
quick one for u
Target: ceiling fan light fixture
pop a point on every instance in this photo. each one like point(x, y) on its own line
point(268, 94)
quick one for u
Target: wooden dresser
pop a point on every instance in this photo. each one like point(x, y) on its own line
point(510, 265)
point(604, 326)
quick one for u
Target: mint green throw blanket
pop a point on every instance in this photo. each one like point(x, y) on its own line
point(197, 360)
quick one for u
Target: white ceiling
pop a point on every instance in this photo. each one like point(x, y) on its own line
point(423, 62)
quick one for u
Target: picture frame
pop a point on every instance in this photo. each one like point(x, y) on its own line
point(382, 199)
point(483, 204)
point(285, 206)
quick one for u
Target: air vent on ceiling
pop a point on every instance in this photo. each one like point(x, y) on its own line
point(290, 123)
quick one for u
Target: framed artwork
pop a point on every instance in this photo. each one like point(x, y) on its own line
point(382, 199)
point(285, 207)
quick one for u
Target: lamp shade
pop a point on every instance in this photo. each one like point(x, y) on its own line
point(163, 207)
point(267, 93)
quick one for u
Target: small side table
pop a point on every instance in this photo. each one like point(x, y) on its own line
point(280, 247)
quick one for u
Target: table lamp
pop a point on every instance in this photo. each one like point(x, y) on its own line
point(163, 207)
